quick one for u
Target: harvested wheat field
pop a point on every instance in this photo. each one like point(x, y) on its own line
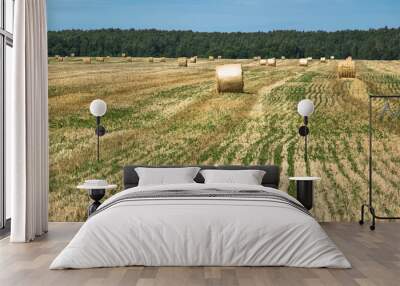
point(160, 113)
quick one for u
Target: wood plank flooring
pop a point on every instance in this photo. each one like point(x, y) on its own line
point(375, 257)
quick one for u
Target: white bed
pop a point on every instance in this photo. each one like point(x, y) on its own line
point(201, 231)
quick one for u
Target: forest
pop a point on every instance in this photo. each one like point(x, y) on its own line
point(373, 44)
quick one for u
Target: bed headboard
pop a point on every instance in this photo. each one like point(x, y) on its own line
point(271, 177)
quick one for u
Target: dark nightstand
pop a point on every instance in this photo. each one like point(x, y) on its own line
point(305, 188)
point(96, 193)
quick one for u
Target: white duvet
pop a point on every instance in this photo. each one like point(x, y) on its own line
point(200, 232)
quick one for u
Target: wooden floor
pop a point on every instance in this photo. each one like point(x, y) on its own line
point(375, 257)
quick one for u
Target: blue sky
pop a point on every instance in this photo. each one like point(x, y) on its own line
point(223, 15)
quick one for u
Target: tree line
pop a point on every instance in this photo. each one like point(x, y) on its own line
point(373, 44)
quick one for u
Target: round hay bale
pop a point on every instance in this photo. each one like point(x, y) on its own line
point(219, 57)
point(346, 69)
point(87, 60)
point(303, 62)
point(272, 62)
point(229, 78)
point(263, 62)
point(210, 58)
point(323, 60)
point(283, 58)
point(150, 60)
point(193, 60)
point(60, 59)
point(182, 62)
point(310, 59)
point(163, 60)
point(100, 59)
point(129, 59)
point(123, 55)
point(349, 58)
point(72, 55)
point(332, 57)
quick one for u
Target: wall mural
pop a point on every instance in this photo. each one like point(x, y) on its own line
point(166, 105)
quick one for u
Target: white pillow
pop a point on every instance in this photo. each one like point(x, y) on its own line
point(248, 177)
point(166, 176)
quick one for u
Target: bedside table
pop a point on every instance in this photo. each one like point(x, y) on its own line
point(305, 190)
point(96, 193)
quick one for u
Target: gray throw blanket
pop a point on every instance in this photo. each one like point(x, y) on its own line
point(206, 194)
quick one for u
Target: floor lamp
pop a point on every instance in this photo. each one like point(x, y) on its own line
point(98, 108)
point(369, 205)
point(304, 185)
point(305, 108)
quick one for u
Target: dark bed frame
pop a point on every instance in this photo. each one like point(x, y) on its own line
point(270, 179)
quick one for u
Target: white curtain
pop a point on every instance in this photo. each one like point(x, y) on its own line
point(27, 124)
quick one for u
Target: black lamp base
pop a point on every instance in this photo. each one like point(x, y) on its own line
point(305, 193)
point(96, 195)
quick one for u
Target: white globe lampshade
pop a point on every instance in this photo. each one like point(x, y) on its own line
point(305, 107)
point(98, 107)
